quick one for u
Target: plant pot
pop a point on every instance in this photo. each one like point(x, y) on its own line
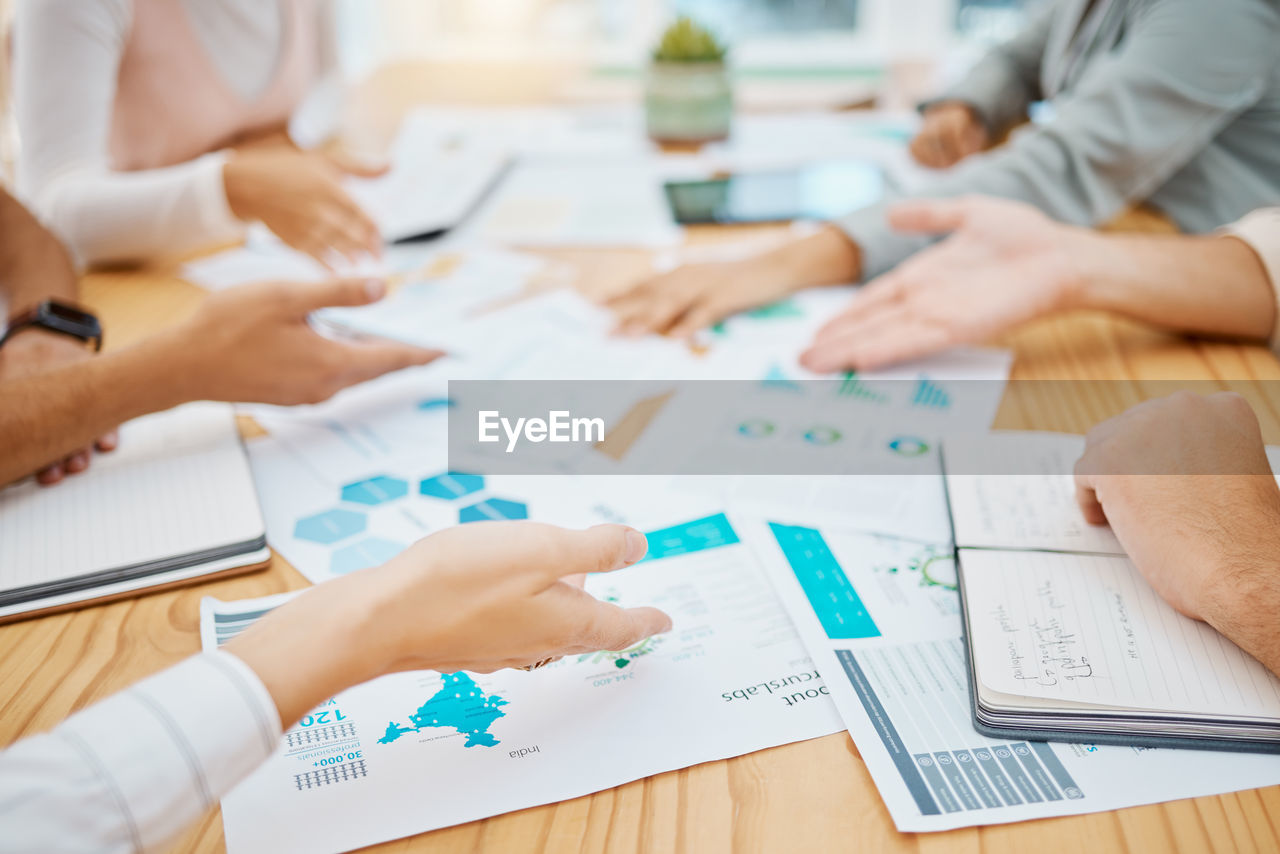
point(688, 102)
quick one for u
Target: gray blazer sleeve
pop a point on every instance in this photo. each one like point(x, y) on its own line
point(1187, 69)
point(1006, 80)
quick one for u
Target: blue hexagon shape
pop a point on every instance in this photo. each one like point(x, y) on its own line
point(329, 526)
point(451, 485)
point(364, 554)
point(434, 403)
point(375, 490)
point(493, 508)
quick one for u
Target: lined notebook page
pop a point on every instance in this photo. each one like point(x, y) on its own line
point(178, 484)
point(1034, 509)
point(1090, 629)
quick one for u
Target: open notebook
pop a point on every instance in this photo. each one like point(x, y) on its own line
point(1067, 641)
point(174, 503)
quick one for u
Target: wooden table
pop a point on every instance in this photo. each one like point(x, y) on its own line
point(816, 796)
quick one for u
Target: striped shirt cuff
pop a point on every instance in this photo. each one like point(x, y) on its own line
point(173, 745)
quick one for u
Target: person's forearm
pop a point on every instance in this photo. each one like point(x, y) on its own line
point(1205, 285)
point(319, 644)
point(827, 257)
point(45, 416)
point(34, 265)
point(1247, 608)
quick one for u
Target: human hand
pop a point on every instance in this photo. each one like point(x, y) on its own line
point(1005, 263)
point(681, 302)
point(33, 351)
point(299, 196)
point(255, 344)
point(684, 300)
point(951, 132)
point(1185, 485)
point(477, 597)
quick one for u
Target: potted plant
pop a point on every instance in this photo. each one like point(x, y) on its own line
point(688, 96)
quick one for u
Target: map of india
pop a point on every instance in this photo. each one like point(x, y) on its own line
point(459, 704)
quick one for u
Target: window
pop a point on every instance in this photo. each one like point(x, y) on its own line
point(741, 18)
point(988, 20)
point(619, 33)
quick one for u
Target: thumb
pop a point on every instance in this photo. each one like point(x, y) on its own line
point(930, 216)
point(310, 297)
point(360, 168)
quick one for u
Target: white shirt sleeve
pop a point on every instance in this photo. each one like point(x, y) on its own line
point(66, 55)
point(131, 772)
point(1261, 231)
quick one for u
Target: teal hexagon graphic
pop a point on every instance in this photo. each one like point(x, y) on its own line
point(451, 485)
point(493, 509)
point(433, 403)
point(375, 490)
point(362, 555)
point(330, 526)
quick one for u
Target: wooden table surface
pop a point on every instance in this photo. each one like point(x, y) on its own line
point(815, 796)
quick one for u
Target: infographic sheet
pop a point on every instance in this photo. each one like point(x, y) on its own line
point(881, 618)
point(417, 751)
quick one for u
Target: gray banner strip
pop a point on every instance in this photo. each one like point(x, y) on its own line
point(989, 764)
point(929, 768)
point(888, 734)
point(950, 769)
point(1011, 766)
point(1037, 772)
point(969, 765)
point(1051, 761)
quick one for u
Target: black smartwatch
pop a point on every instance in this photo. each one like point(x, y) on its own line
point(57, 317)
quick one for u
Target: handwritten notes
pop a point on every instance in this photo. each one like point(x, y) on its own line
point(1089, 629)
point(1015, 490)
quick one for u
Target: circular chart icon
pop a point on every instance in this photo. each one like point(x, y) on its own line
point(909, 446)
point(822, 435)
point(756, 428)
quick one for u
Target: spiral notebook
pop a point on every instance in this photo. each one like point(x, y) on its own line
point(175, 503)
point(1066, 639)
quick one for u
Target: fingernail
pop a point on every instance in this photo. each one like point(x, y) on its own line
point(637, 546)
point(375, 288)
point(78, 463)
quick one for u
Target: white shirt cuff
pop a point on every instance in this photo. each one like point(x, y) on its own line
point(171, 746)
point(1261, 231)
point(210, 189)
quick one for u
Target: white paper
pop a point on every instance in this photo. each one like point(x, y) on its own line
point(581, 203)
point(444, 312)
point(533, 132)
point(881, 620)
point(731, 678)
point(426, 190)
point(264, 258)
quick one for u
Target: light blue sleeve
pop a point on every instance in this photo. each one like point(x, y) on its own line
point(1138, 115)
point(1006, 81)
